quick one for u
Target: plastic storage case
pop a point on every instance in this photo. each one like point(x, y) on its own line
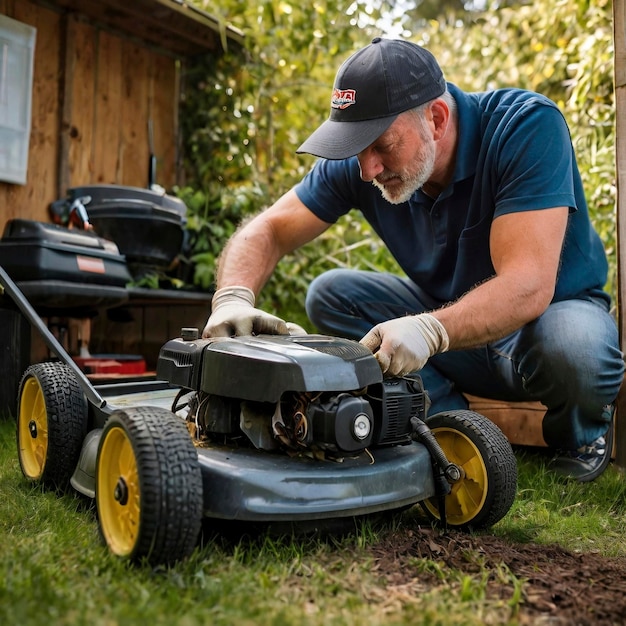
point(32, 250)
point(147, 226)
point(59, 269)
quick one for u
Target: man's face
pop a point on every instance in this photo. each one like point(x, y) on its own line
point(401, 160)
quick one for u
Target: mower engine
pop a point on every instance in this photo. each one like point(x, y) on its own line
point(324, 395)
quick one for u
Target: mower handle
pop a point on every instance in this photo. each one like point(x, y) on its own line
point(50, 340)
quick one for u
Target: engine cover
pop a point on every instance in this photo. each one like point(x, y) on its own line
point(262, 368)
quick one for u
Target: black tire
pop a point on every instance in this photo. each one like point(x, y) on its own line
point(487, 490)
point(148, 486)
point(51, 424)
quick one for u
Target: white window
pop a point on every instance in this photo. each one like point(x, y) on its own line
point(17, 48)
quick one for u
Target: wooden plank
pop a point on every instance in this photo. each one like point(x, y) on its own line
point(106, 132)
point(79, 106)
point(619, 38)
point(117, 333)
point(176, 27)
point(143, 329)
point(65, 89)
point(22, 199)
point(521, 422)
point(164, 109)
point(134, 116)
point(44, 138)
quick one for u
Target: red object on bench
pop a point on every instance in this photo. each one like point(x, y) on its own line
point(111, 364)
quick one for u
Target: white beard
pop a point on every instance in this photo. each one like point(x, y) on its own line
point(413, 178)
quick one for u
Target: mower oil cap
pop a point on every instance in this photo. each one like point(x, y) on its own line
point(372, 87)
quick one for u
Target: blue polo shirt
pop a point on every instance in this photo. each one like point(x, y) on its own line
point(514, 154)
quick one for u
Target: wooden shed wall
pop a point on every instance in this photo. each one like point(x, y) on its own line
point(94, 92)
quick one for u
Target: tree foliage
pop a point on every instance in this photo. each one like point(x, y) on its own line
point(245, 114)
point(560, 48)
point(248, 111)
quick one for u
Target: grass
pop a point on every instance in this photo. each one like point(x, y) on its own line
point(55, 571)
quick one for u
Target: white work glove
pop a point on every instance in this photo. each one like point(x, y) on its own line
point(295, 329)
point(404, 344)
point(233, 314)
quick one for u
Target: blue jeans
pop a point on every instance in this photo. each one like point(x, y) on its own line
point(568, 358)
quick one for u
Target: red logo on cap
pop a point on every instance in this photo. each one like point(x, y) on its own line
point(342, 98)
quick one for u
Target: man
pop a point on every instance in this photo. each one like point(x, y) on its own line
point(479, 199)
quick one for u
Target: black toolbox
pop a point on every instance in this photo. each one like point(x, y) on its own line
point(32, 250)
point(63, 268)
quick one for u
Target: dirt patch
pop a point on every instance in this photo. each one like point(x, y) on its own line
point(560, 587)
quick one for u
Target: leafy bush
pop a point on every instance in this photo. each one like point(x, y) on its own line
point(245, 114)
point(562, 49)
point(213, 216)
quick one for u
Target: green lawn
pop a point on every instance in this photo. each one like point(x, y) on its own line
point(54, 569)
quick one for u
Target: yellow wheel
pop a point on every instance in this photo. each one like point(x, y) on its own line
point(148, 486)
point(488, 484)
point(51, 423)
point(119, 504)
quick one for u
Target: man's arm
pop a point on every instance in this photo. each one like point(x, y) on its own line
point(248, 261)
point(525, 251)
point(252, 253)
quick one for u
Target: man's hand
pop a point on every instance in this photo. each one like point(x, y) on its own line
point(233, 314)
point(295, 329)
point(404, 344)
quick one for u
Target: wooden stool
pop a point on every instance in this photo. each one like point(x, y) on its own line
point(519, 421)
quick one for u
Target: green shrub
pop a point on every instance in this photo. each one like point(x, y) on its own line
point(269, 99)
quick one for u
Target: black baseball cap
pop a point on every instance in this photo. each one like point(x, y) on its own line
point(372, 87)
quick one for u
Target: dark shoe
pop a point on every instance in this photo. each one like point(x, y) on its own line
point(588, 462)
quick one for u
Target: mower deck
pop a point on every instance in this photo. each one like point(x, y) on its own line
point(249, 485)
point(245, 485)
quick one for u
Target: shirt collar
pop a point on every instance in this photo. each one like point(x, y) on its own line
point(468, 135)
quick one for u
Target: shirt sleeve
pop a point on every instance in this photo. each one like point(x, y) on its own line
point(534, 159)
point(330, 189)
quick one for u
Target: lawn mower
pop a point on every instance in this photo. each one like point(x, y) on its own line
point(257, 429)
